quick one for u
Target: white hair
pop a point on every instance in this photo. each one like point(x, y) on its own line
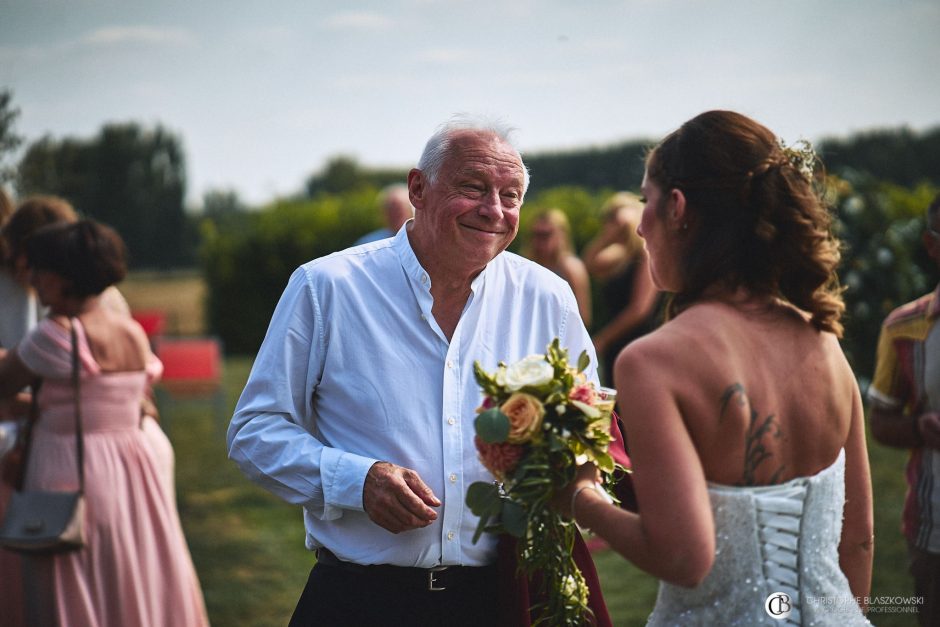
point(438, 147)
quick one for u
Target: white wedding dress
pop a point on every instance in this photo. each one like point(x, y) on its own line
point(771, 540)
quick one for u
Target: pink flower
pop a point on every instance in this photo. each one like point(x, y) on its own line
point(584, 393)
point(500, 459)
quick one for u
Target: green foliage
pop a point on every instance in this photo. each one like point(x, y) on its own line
point(129, 177)
point(884, 264)
point(619, 166)
point(901, 156)
point(247, 261)
point(344, 174)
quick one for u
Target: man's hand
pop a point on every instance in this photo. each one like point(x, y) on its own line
point(929, 426)
point(396, 498)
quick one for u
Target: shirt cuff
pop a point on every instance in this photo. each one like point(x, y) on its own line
point(343, 475)
point(882, 400)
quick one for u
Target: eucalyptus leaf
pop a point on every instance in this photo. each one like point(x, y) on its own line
point(483, 498)
point(514, 519)
point(492, 426)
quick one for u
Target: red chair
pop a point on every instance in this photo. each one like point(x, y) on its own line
point(152, 320)
point(190, 365)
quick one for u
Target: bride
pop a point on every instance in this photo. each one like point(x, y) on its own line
point(743, 418)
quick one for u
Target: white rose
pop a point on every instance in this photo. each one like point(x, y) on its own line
point(531, 370)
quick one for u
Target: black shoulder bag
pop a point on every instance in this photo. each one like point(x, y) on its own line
point(41, 522)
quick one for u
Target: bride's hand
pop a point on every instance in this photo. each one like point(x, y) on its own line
point(586, 476)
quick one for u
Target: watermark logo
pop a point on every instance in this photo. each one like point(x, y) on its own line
point(778, 605)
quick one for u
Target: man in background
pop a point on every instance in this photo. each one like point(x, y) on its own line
point(905, 401)
point(397, 210)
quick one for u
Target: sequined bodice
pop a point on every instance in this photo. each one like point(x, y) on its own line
point(776, 559)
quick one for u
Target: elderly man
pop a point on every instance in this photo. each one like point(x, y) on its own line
point(361, 402)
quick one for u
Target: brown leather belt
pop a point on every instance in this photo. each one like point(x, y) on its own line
point(435, 579)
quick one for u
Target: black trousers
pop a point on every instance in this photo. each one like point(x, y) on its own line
point(340, 597)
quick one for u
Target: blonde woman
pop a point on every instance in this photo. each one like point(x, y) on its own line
point(549, 244)
point(617, 259)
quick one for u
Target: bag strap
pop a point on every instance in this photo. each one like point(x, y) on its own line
point(27, 434)
point(76, 388)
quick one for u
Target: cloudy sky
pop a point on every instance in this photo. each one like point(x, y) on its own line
point(262, 94)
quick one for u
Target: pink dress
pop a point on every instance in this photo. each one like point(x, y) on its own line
point(135, 568)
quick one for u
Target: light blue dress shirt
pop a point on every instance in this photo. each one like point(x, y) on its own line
point(354, 369)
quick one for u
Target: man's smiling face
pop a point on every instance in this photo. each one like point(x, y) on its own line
point(470, 213)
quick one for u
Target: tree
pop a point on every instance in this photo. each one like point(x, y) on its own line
point(129, 177)
point(9, 141)
point(344, 174)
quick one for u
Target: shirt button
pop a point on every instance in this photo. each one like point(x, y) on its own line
point(450, 363)
point(424, 317)
point(424, 279)
point(453, 478)
point(450, 535)
point(451, 421)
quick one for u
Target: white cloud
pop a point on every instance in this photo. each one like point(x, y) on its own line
point(117, 35)
point(359, 20)
point(447, 56)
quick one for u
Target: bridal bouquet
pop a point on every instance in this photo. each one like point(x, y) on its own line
point(539, 420)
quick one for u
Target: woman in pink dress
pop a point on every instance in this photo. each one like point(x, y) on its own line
point(135, 568)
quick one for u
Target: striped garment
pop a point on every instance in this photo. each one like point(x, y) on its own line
point(906, 374)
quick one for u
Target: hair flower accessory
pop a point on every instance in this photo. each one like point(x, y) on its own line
point(540, 418)
point(801, 156)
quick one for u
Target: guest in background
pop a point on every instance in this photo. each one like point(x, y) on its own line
point(396, 209)
point(549, 244)
point(19, 310)
point(617, 259)
point(15, 318)
point(135, 568)
point(6, 205)
point(905, 413)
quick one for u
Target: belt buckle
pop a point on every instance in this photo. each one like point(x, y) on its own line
point(432, 580)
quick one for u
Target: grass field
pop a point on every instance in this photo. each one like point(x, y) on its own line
point(248, 545)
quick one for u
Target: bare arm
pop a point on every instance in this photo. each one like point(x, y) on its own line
point(892, 427)
point(673, 538)
point(14, 375)
point(642, 301)
point(605, 253)
point(856, 548)
point(580, 282)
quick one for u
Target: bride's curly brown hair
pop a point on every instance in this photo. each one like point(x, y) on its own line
point(755, 217)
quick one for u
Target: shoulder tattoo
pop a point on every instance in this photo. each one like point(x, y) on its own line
point(758, 431)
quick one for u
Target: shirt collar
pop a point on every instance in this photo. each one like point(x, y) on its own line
point(414, 269)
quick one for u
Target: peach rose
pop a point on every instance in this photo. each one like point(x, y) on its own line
point(525, 414)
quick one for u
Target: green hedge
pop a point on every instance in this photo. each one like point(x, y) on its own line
point(248, 260)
